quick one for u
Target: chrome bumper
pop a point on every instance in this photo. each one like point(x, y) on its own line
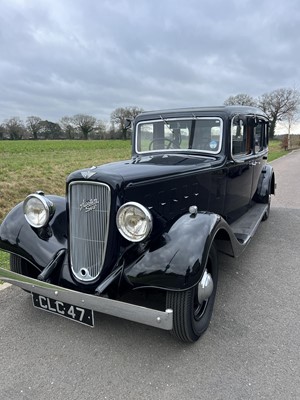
point(131, 312)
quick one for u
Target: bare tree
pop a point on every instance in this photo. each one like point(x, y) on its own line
point(68, 126)
point(2, 132)
point(100, 130)
point(85, 124)
point(34, 126)
point(111, 131)
point(15, 128)
point(241, 99)
point(290, 121)
point(50, 130)
point(281, 104)
point(120, 115)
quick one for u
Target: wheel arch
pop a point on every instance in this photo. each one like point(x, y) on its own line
point(176, 260)
point(36, 246)
point(223, 242)
point(266, 184)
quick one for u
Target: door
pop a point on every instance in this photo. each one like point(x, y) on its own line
point(260, 151)
point(239, 171)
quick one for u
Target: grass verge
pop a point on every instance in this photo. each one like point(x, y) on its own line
point(275, 150)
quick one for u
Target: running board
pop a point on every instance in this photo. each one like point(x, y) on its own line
point(245, 227)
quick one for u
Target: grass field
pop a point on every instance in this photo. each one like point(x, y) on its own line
point(275, 150)
point(27, 166)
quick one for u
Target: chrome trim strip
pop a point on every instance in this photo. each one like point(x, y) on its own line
point(131, 312)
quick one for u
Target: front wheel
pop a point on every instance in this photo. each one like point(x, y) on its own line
point(19, 265)
point(192, 309)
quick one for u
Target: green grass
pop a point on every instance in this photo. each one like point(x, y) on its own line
point(27, 166)
point(275, 150)
point(4, 259)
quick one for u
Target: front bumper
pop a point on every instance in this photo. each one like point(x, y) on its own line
point(131, 312)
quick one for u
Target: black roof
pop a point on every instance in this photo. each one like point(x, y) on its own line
point(228, 111)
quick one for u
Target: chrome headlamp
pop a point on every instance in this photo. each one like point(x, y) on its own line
point(134, 221)
point(38, 210)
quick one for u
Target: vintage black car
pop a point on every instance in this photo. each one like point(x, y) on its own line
point(198, 183)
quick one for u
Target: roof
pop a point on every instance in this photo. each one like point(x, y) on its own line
point(228, 111)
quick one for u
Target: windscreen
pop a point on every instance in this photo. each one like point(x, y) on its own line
point(197, 135)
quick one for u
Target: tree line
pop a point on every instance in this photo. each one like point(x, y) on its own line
point(79, 126)
point(279, 105)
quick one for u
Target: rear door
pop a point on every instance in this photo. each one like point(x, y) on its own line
point(260, 151)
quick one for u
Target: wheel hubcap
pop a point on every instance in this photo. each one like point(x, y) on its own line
point(205, 287)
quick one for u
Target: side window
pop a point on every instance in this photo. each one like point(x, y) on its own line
point(248, 135)
point(240, 138)
point(260, 136)
point(145, 136)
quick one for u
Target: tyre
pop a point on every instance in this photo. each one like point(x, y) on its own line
point(192, 315)
point(267, 213)
point(19, 265)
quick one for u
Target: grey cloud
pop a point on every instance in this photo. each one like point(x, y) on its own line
point(60, 58)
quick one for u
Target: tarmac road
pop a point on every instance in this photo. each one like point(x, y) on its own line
point(250, 351)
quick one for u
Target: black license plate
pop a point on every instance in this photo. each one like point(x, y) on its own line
point(78, 314)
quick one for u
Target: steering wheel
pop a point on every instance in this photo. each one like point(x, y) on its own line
point(166, 145)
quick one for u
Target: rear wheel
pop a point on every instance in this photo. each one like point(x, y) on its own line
point(267, 213)
point(192, 309)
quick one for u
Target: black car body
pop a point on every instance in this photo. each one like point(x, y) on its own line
point(198, 182)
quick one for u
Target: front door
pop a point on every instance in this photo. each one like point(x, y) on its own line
point(239, 172)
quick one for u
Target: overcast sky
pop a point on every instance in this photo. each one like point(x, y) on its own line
point(63, 57)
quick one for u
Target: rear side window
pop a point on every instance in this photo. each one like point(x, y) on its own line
point(260, 136)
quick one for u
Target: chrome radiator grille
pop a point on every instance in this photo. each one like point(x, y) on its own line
point(89, 211)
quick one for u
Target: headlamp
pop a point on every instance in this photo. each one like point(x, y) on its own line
point(38, 210)
point(134, 221)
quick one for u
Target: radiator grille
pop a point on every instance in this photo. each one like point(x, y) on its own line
point(89, 209)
